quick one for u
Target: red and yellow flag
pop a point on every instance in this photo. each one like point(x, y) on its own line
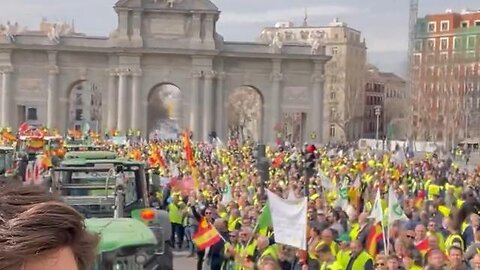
point(206, 236)
point(375, 234)
point(422, 246)
point(8, 136)
point(187, 147)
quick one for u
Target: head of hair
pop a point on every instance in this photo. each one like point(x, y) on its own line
point(34, 222)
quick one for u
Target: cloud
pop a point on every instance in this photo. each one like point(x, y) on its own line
point(287, 13)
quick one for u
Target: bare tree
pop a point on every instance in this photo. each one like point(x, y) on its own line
point(351, 108)
point(244, 113)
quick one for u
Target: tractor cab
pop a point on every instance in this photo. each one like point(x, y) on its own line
point(7, 161)
point(108, 192)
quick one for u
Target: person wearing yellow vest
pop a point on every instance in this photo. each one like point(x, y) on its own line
point(245, 250)
point(327, 239)
point(230, 247)
point(433, 230)
point(175, 214)
point(264, 249)
point(359, 259)
point(343, 254)
point(454, 237)
point(234, 220)
point(328, 261)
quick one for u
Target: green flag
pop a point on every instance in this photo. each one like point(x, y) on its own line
point(265, 218)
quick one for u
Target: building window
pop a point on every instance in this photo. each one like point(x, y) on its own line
point(332, 130)
point(417, 59)
point(457, 43)
point(418, 45)
point(471, 42)
point(431, 44)
point(32, 114)
point(471, 55)
point(444, 57)
point(445, 25)
point(432, 26)
point(477, 23)
point(444, 44)
point(334, 51)
point(464, 24)
point(78, 115)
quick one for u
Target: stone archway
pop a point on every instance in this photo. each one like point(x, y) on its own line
point(245, 113)
point(84, 106)
point(164, 112)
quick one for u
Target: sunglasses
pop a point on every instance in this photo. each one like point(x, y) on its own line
point(411, 236)
point(243, 234)
point(380, 264)
point(233, 236)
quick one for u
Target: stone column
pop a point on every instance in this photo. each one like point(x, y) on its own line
point(52, 98)
point(208, 108)
point(6, 111)
point(195, 106)
point(122, 101)
point(112, 99)
point(317, 107)
point(220, 106)
point(275, 104)
point(136, 99)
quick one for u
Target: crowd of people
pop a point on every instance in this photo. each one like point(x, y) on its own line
point(224, 186)
point(439, 230)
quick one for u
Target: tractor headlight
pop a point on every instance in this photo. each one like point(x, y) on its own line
point(141, 258)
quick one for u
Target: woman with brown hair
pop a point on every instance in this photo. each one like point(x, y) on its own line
point(38, 231)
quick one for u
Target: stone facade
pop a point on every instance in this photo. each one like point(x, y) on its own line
point(155, 43)
point(343, 97)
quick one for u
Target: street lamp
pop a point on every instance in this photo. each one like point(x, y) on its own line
point(378, 109)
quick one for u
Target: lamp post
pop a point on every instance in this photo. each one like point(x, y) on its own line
point(377, 115)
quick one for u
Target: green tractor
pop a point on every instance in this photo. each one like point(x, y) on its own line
point(7, 164)
point(109, 192)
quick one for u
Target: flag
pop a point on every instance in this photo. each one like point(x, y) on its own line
point(227, 194)
point(187, 147)
point(377, 212)
point(8, 136)
point(265, 218)
point(291, 195)
point(326, 182)
point(289, 219)
point(422, 246)
point(23, 128)
point(395, 211)
point(206, 236)
point(374, 236)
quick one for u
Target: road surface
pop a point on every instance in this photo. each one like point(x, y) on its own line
point(181, 261)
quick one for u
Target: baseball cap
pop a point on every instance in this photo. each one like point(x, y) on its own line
point(344, 238)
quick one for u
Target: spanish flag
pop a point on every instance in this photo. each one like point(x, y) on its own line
point(374, 236)
point(206, 236)
point(8, 136)
point(422, 246)
point(187, 147)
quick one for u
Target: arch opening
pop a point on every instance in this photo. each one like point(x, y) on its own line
point(164, 115)
point(245, 114)
point(84, 106)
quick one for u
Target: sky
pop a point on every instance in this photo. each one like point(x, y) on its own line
point(383, 23)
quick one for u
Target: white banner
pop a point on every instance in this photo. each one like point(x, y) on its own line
point(289, 218)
